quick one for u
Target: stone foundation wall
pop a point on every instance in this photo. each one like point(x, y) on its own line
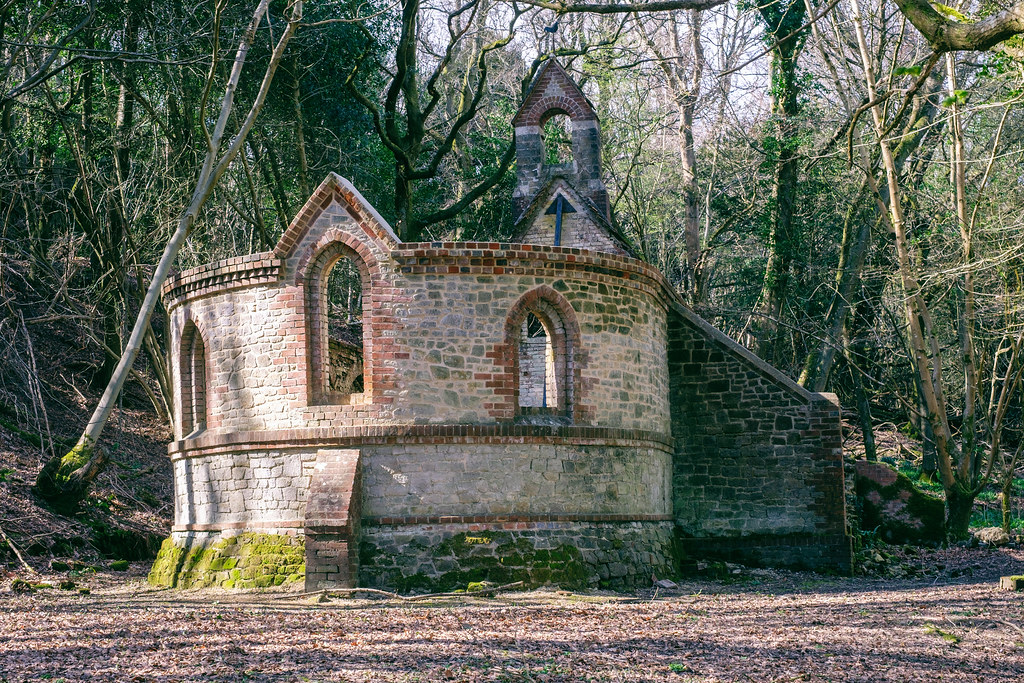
point(570, 554)
point(246, 560)
point(829, 553)
point(550, 481)
point(539, 471)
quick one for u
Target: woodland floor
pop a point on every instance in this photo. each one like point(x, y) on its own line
point(761, 625)
point(937, 615)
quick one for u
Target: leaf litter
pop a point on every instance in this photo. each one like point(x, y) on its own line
point(764, 625)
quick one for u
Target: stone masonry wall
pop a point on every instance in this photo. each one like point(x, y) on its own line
point(242, 489)
point(547, 483)
point(251, 352)
point(758, 463)
point(536, 370)
point(526, 479)
point(574, 555)
point(435, 339)
point(455, 327)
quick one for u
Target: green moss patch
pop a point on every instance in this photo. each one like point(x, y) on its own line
point(248, 560)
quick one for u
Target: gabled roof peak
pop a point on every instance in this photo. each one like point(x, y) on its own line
point(553, 90)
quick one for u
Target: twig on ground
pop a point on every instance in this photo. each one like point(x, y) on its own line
point(395, 596)
point(1013, 626)
point(17, 554)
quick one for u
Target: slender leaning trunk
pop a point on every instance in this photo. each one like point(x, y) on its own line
point(64, 481)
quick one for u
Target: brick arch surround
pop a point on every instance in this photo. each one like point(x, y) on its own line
point(553, 89)
point(313, 271)
point(543, 109)
point(562, 327)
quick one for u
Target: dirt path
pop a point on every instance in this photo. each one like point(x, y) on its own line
point(769, 626)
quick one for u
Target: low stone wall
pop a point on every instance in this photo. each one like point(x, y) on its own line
point(621, 555)
point(241, 490)
point(471, 471)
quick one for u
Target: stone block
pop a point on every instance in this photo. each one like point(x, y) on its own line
point(1012, 583)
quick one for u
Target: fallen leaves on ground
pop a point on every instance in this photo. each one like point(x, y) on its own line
point(769, 626)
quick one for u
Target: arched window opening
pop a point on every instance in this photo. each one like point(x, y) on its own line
point(540, 360)
point(344, 307)
point(193, 381)
point(557, 137)
point(538, 386)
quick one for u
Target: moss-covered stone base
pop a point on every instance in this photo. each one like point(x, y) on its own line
point(572, 555)
point(248, 560)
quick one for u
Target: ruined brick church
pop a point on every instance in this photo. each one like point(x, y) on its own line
point(355, 410)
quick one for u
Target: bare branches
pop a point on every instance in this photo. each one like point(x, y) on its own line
point(64, 480)
point(45, 68)
point(622, 8)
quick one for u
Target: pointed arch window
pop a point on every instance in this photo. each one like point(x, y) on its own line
point(542, 335)
point(338, 340)
point(194, 387)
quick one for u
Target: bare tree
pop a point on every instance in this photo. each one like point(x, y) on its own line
point(64, 480)
point(964, 463)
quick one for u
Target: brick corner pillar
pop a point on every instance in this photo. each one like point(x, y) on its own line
point(332, 520)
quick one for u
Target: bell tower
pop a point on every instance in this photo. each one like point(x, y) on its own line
point(554, 93)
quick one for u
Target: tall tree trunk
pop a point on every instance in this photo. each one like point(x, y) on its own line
point(852, 255)
point(300, 136)
point(953, 464)
point(855, 357)
point(783, 21)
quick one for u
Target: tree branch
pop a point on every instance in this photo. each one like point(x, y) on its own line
point(946, 35)
point(623, 8)
point(474, 194)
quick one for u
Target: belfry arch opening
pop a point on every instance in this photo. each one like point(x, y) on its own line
point(556, 135)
